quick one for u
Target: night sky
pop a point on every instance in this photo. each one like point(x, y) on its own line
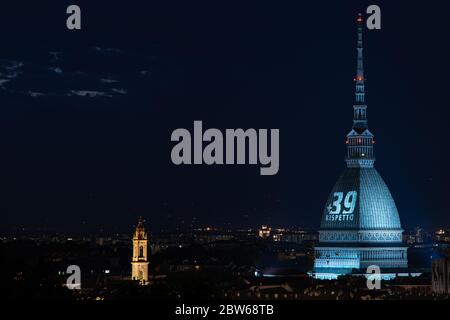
point(80, 163)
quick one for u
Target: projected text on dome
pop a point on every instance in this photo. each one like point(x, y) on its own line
point(342, 206)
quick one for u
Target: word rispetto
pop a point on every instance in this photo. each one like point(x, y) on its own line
point(234, 147)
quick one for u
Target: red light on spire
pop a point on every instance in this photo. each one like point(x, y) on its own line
point(360, 18)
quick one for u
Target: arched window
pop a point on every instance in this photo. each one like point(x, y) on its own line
point(141, 251)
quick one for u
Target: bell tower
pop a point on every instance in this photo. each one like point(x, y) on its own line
point(139, 261)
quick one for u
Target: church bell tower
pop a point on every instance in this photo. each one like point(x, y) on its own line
point(139, 262)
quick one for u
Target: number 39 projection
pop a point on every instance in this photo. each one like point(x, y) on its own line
point(341, 208)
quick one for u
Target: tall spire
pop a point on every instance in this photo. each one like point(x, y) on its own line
point(360, 139)
point(359, 48)
point(359, 117)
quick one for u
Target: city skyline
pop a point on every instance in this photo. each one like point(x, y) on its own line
point(224, 159)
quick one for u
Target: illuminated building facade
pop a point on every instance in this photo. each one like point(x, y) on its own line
point(441, 276)
point(264, 232)
point(360, 224)
point(139, 261)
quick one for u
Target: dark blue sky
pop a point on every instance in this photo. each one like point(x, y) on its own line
point(74, 162)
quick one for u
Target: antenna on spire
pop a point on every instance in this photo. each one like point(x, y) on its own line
point(359, 47)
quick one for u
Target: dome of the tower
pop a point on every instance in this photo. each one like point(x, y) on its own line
point(360, 200)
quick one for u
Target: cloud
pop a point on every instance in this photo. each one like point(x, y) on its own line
point(35, 94)
point(3, 81)
point(10, 69)
point(56, 70)
point(107, 50)
point(89, 93)
point(12, 75)
point(13, 65)
point(108, 80)
point(121, 91)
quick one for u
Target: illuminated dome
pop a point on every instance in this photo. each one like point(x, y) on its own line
point(374, 207)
